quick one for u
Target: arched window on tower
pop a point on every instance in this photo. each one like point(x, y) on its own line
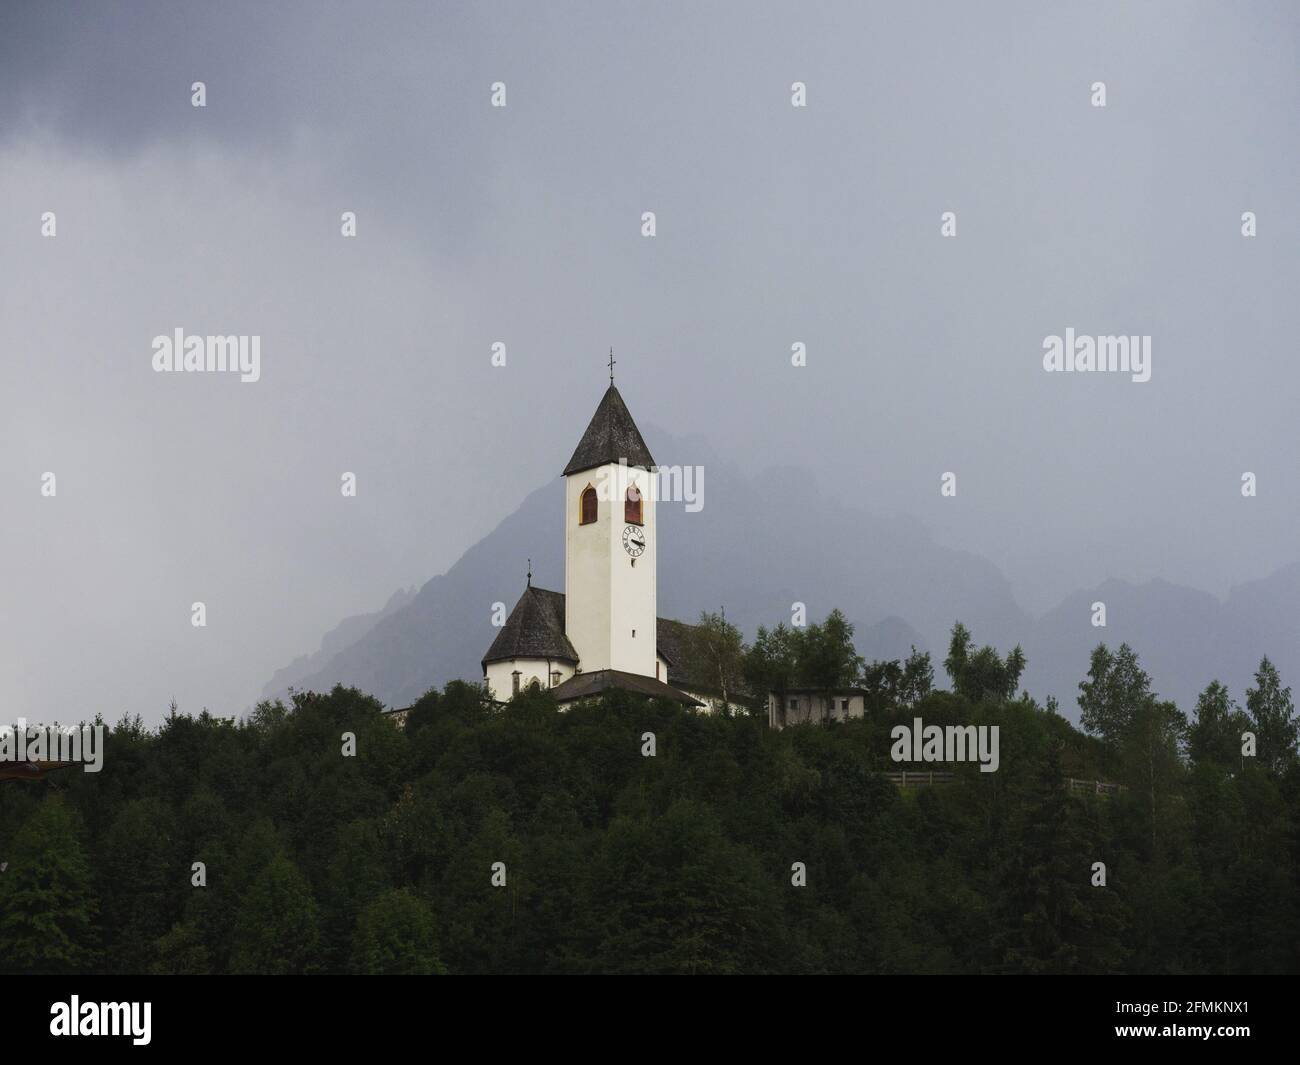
point(632, 509)
point(587, 513)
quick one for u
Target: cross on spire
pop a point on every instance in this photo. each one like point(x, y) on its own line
point(611, 366)
point(530, 573)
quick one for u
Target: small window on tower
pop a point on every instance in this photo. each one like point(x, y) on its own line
point(632, 506)
point(588, 514)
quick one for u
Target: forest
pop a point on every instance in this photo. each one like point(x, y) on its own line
point(634, 836)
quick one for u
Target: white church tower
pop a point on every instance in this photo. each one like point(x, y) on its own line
point(610, 544)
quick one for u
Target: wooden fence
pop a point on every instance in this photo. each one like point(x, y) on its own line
point(1095, 787)
point(905, 779)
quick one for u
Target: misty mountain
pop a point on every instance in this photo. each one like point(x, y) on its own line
point(343, 635)
point(757, 546)
point(1185, 637)
point(761, 544)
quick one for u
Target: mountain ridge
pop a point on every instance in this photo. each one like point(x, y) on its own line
point(758, 560)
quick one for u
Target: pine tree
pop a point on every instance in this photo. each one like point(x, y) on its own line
point(1215, 737)
point(47, 902)
point(397, 936)
point(1056, 921)
point(1273, 715)
point(276, 929)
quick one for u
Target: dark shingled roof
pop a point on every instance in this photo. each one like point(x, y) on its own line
point(587, 685)
point(612, 435)
point(667, 639)
point(534, 629)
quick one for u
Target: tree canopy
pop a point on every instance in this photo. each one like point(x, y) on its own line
point(523, 838)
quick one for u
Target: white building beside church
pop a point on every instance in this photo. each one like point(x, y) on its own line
point(603, 631)
point(795, 706)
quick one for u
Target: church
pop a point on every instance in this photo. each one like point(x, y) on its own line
point(603, 630)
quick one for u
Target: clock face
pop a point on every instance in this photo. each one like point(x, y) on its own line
point(634, 540)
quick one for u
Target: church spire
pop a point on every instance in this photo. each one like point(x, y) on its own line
point(611, 435)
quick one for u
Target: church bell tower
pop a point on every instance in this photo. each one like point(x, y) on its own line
point(610, 543)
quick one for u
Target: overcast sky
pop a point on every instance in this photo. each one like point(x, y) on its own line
point(522, 225)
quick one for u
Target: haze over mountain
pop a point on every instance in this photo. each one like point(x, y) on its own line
point(761, 544)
